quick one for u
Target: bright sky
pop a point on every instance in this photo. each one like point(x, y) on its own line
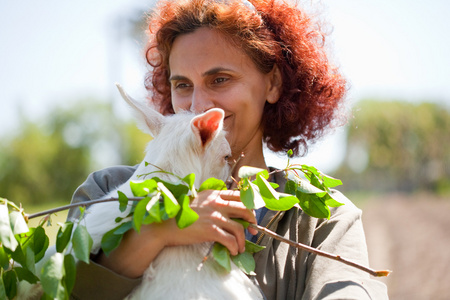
point(55, 52)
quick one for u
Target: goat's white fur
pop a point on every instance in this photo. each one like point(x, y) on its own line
point(177, 147)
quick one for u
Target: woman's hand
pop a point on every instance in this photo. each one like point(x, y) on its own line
point(215, 209)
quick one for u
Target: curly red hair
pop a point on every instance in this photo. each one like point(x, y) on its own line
point(275, 34)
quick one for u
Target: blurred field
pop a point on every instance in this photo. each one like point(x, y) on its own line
point(56, 219)
point(410, 236)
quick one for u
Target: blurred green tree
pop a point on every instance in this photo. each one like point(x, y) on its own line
point(45, 161)
point(398, 146)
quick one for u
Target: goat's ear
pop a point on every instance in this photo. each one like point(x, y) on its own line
point(207, 125)
point(149, 120)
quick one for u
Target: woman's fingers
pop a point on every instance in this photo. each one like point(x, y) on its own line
point(221, 207)
point(248, 215)
point(233, 233)
point(236, 210)
point(228, 203)
point(229, 195)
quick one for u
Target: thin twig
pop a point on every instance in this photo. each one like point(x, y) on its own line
point(205, 258)
point(83, 204)
point(376, 273)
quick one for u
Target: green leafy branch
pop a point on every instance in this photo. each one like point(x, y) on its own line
point(313, 195)
point(22, 249)
point(154, 201)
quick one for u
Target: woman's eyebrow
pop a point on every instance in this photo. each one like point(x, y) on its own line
point(215, 71)
point(207, 73)
point(177, 77)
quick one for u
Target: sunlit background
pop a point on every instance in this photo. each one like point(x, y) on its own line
point(62, 118)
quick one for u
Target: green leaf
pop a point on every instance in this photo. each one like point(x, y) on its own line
point(186, 216)
point(123, 201)
point(247, 172)
point(190, 180)
point(25, 274)
point(23, 255)
point(112, 238)
point(252, 247)
point(40, 243)
point(82, 243)
point(7, 238)
point(171, 206)
point(4, 259)
point(311, 169)
point(245, 262)
point(2, 289)
point(154, 210)
point(124, 227)
point(176, 189)
point(17, 222)
point(285, 202)
point(18, 255)
point(37, 240)
point(315, 181)
point(212, 184)
point(63, 236)
point(331, 202)
point(222, 256)
point(306, 187)
point(143, 188)
point(52, 274)
point(10, 283)
point(266, 189)
point(324, 179)
point(290, 187)
point(29, 258)
point(247, 194)
point(139, 212)
point(70, 272)
point(272, 199)
point(111, 241)
point(313, 206)
point(330, 181)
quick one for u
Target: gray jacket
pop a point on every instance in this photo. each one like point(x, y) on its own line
point(283, 272)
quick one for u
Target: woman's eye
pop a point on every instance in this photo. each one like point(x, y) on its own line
point(220, 80)
point(181, 85)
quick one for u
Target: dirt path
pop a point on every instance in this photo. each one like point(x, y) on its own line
point(411, 236)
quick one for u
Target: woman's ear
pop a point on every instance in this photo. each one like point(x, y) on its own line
point(274, 85)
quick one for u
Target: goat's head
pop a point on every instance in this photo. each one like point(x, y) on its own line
point(185, 143)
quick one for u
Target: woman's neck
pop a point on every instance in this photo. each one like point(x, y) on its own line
point(252, 157)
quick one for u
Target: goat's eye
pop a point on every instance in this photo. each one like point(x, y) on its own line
point(226, 157)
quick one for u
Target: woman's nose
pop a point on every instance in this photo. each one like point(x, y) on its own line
point(201, 101)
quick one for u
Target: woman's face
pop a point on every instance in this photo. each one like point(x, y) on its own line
point(208, 71)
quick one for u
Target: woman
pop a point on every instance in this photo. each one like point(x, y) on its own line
point(264, 64)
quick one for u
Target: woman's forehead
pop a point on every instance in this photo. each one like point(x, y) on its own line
point(204, 50)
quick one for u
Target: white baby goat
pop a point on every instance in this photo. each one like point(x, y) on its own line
point(183, 144)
